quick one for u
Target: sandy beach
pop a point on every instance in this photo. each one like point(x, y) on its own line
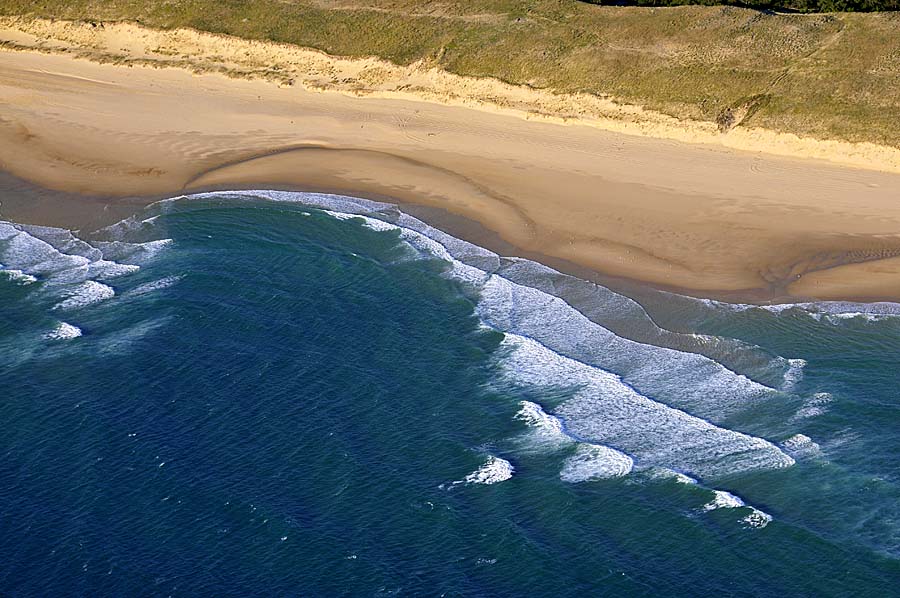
point(615, 189)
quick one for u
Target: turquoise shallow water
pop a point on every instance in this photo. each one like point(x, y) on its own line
point(262, 394)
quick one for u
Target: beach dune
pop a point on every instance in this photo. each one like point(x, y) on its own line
point(626, 197)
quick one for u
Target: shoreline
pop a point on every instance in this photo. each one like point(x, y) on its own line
point(708, 221)
point(85, 213)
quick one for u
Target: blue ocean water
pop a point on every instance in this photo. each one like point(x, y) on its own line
point(270, 393)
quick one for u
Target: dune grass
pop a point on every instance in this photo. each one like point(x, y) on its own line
point(804, 6)
point(825, 75)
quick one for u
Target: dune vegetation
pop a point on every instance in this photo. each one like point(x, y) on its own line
point(831, 76)
point(805, 6)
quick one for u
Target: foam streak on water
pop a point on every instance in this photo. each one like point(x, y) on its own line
point(702, 383)
point(595, 462)
point(59, 258)
point(19, 277)
point(725, 500)
point(833, 312)
point(69, 271)
point(512, 416)
point(586, 462)
point(691, 381)
point(84, 294)
point(549, 342)
point(555, 344)
point(605, 410)
point(494, 471)
point(63, 331)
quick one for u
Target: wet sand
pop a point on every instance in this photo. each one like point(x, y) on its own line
point(708, 219)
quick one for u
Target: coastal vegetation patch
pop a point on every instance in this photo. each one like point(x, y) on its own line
point(830, 76)
point(803, 6)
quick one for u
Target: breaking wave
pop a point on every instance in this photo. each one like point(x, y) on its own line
point(658, 397)
point(494, 471)
point(69, 272)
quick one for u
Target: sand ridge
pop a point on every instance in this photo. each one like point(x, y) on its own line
point(95, 114)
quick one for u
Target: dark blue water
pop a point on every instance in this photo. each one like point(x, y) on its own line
point(231, 395)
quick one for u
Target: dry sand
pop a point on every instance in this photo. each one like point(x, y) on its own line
point(616, 189)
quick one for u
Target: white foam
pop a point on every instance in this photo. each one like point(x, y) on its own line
point(813, 406)
point(723, 500)
point(594, 462)
point(801, 446)
point(686, 380)
point(423, 246)
point(794, 374)
point(25, 252)
point(704, 384)
point(546, 433)
point(105, 269)
point(757, 519)
point(550, 343)
point(341, 215)
point(372, 223)
point(683, 479)
point(612, 410)
point(829, 311)
point(421, 243)
point(8, 230)
point(588, 461)
point(693, 381)
point(62, 240)
point(84, 294)
point(853, 309)
point(63, 331)
point(19, 277)
point(533, 415)
point(133, 253)
point(140, 225)
point(70, 269)
point(662, 473)
point(494, 470)
point(154, 285)
point(323, 201)
point(610, 378)
point(726, 500)
point(426, 244)
point(609, 412)
point(627, 318)
point(122, 341)
point(604, 410)
point(56, 254)
point(836, 318)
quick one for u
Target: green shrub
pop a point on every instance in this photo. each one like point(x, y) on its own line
point(774, 5)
